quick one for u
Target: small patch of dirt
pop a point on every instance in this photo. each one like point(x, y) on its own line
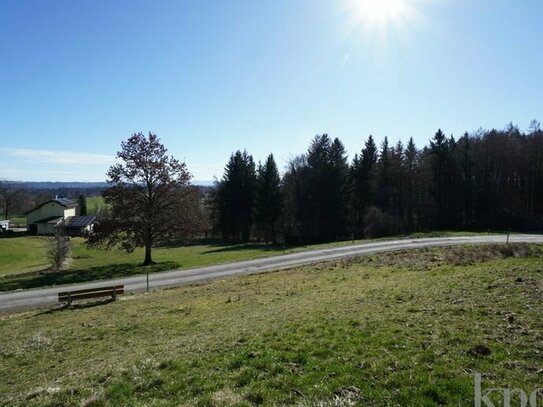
point(480, 350)
point(351, 393)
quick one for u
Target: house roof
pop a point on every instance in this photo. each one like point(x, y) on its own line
point(64, 202)
point(61, 201)
point(78, 221)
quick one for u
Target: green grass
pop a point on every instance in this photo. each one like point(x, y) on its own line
point(395, 329)
point(94, 203)
point(22, 255)
point(27, 266)
point(19, 220)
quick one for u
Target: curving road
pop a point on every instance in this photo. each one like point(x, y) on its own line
point(44, 297)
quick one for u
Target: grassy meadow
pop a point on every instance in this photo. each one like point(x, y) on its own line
point(94, 203)
point(22, 255)
point(407, 328)
point(18, 221)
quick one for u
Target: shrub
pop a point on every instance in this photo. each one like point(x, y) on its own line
point(379, 223)
point(58, 250)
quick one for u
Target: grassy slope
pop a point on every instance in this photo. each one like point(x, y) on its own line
point(399, 327)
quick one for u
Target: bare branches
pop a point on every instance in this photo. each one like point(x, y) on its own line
point(148, 197)
point(58, 249)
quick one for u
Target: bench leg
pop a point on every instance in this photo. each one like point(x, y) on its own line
point(114, 296)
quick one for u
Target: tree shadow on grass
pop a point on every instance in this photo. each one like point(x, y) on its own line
point(249, 246)
point(81, 305)
point(44, 279)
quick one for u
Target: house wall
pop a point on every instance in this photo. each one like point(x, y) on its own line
point(46, 211)
point(69, 212)
point(46, 228)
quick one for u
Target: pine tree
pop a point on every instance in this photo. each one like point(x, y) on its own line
point(369, 163)
point(467, 187)
point(340, 189)
point(236, 196)
point(268, 198)
point(397, 184)
point(82, 203)
point(439, 152)
point(384, 178)
point(411, 171)
point(327, 197)
point(362, 174)
point(295, 200)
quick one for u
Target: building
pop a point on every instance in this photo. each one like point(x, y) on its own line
point(78, 225)
point(4, 225)
point(59, 212)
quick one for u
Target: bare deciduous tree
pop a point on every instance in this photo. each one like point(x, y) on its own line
point(150, 198)
point(9, 194)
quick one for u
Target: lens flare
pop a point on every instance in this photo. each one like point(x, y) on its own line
point(380, 11)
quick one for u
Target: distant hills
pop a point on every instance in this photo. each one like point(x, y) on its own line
point(59, 185)
point(50, 185)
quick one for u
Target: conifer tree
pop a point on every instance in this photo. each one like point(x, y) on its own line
point(268, 198)
point(236, 196)
point(82, 203)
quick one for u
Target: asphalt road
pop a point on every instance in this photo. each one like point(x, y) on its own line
point(25, 299)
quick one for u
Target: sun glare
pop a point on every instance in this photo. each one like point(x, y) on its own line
point(380, 11)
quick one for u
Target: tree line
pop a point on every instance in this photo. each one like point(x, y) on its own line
point(487, 180)
point(491, 179)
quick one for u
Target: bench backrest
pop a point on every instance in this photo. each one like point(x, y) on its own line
point(90, 293)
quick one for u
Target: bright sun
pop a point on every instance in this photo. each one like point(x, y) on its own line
point(380, 11)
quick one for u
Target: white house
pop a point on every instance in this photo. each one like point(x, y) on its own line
point(58, 212)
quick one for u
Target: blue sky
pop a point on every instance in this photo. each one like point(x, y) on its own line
point(213, 76)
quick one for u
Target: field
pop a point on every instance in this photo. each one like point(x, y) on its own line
point(18, 221)
point(403, 329)
point(94, 203)
point(22, 255)
point(24, 264)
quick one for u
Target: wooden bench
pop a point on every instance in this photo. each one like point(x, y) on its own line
point(98, 292)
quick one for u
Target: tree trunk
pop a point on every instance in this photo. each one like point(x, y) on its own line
point(148, 259)
point(272, 228)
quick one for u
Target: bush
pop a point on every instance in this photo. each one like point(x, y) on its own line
point(379, 223)
point(58, 250)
